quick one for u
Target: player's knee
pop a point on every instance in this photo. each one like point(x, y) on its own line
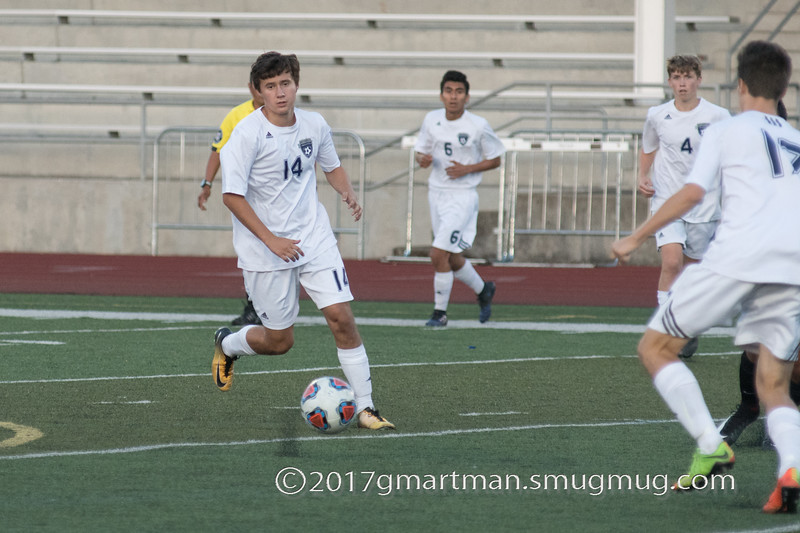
point(280, 347)
point(655, 351)
point(274, 343)
point(671, 267)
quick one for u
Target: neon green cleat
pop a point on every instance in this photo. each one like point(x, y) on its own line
point(705, 465)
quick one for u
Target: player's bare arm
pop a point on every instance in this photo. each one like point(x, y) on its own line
point(341, 183)
point(675, 206)
point(287, 249)
point(643, 182)
point(457, 170)
point(212, 166)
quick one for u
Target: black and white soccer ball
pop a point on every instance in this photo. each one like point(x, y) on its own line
point(328, 404)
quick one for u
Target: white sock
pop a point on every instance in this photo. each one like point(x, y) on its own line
point(442, 286)
point(662, 296)
point(783, 425)
point(235, 344)
point(355, 365)
point(470, 277)
point(680, 390)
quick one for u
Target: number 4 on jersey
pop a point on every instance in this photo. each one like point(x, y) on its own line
point(687, 146)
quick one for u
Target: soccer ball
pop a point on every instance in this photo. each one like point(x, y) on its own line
point(328, 404)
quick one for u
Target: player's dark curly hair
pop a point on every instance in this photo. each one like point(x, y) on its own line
point(271, 64)
point(456, 76)
point(765, 68)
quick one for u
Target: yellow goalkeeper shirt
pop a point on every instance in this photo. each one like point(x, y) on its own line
point(229, 122)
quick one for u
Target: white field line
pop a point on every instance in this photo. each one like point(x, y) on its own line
point(348, 435)
point(791, 528)
point(563, 327)
point(335, 368)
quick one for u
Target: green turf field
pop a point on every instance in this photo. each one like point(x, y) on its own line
point(541, 420)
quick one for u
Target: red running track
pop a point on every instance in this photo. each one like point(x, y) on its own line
point(127, 275)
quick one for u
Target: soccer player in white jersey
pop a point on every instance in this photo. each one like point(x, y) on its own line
point(458, 146)
point(672, 135)
point(748, 409)
point(752, 265)
point(282, 234)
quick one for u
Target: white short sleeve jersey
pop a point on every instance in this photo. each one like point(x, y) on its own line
point(274, 169)
point(676, 137)
point(469, 139)
point(756, 158)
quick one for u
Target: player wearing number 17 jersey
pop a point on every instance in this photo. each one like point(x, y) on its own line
point(671, 139)
point(282, 234)
point(751, 265)
point(458, 146)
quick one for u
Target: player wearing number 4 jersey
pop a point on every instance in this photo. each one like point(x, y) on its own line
point(751, 265)
point(458, 146)
point(671, 138)
point(282, 234)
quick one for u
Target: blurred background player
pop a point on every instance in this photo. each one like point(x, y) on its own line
point(282, 234)
point(751, 157)
point(672, 135)
point(748, 409)
point(458, 146)
point(230, 121)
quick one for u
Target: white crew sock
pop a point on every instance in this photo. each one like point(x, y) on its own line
point(355, 365)
point(442, 286)
point(662, 296)
point(235, 344)
point(680, 390)
point(470, 277)
point(783, 425)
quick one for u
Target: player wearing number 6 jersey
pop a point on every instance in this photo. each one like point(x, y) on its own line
point(282, 234)
point(670, 141)
point(751, 265)
point(458, 146)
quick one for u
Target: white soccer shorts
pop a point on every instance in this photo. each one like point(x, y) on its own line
point(700, 299)
point(276, 294)
point(454, 217)
point(693, 236)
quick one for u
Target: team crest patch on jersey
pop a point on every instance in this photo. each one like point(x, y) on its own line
point(306, 147)
point(463, 138)
point(218, 136)
point(702, 127)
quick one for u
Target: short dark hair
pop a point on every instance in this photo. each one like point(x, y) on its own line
point(271, 64)
point(684, 64)
point(765, 68)
point(456, 76)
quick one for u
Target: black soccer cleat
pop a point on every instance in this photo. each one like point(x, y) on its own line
point(485, 301)
point(437, 320)
point(689, 348)
point(248, 316)
point(743, 416)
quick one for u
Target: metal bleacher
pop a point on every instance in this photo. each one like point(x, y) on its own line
point(332, 57)
point(371, 20)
